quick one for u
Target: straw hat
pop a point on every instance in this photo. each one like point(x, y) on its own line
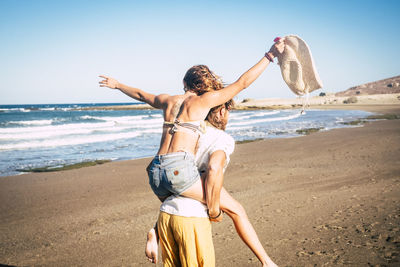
point(297, 66)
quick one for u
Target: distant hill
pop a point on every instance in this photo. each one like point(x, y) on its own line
point(386, 86)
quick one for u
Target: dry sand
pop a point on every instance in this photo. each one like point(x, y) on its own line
point(330, 198)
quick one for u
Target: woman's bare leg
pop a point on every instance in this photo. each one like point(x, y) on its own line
point(243, 226)
point(239, 217)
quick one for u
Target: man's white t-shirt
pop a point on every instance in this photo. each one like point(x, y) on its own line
point(212, 140)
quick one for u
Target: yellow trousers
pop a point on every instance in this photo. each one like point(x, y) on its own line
point(185, 241)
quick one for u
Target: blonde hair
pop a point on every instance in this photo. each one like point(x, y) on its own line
point(200, 79)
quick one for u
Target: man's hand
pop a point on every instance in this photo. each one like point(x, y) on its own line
point(108, 82)
point(217, 217)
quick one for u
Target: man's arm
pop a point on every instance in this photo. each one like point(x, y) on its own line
point(156, 101)
point(213, 183)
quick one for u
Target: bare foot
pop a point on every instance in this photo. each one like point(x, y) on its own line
point(269, 263)
point(152, 246)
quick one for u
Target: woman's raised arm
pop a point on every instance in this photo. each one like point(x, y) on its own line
point(215, 98)
point(156, 101)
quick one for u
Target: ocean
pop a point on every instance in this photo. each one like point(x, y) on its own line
point(33, 136)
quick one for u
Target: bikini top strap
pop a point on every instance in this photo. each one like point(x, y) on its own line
point(168, 124)
point(198, 129)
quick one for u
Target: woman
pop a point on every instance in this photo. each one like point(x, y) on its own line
point(173, 169)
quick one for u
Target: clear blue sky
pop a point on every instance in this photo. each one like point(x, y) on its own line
point(53, 51)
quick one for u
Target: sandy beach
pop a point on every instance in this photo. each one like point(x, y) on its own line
point(325, 199)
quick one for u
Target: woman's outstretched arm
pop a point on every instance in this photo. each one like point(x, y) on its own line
point(215, 98)
point(156, 101)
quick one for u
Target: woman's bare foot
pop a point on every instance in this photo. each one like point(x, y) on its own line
point(152, 246)
point(269, 263)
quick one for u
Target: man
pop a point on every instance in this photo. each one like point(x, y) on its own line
point(184, 227)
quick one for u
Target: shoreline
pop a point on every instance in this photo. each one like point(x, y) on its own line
point(300, 132)
point(331, 197)
point(376, 108)
point(329, 101)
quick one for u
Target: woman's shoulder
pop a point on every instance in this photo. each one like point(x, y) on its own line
point(168, 100)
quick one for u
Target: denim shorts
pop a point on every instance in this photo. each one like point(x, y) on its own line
point(173, 173)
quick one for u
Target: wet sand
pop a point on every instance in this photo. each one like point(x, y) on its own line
point(329, 198)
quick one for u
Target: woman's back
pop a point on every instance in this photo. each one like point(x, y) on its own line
point(171, 111)
point(192, 113)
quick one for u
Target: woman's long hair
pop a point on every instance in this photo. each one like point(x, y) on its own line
point(200, 79)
